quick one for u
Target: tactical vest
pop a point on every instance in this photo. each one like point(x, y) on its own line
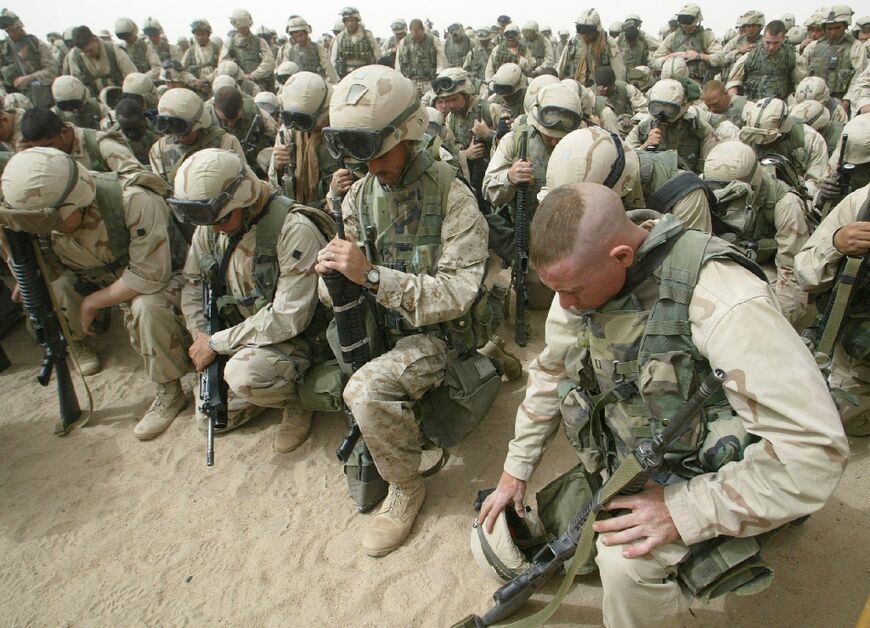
point(698, 69)
point(247, 55)
point(475, 64)
point(138, 54)
point(684, 136)
point(833, 63)
point(502, 55)
point(19, 58)
point(460, 125)
point(249, 110)
point(735, 110)
point(265, 270)
point(791, 146)
point(91, 146)
point(592, 63)
point(142, 146)
point(407, 222)
point(96, 83)
point(457, 51)
point(109, 202)
point(637, 350)
point(832, 134)
point(419, 61)
point(537, 50)
point(174, 153)
point(753, 228)
point(656, 169)
point(195, 60)
point(633, 53)
point(769, 75)
point(307, 58)
point(619, 100)
point(353, 54)
point(537, 154)
point(88, 117)
point(163, 51)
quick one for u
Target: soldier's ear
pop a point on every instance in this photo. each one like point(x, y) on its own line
point(622, 254)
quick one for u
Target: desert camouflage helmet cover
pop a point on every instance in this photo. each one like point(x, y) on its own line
point(510, 74)
point(588, 155)
point(241, 18)
point(41, 188)
point(589, 17)
point(765, 121)
point(461, 82)
point(675, 68)
point(200, 25)
point(838, 14)
point(557, 97)
point(306, 92)
point(152, 23)
point(858, 144)
point(496, 552)
point(138, 83)
point(755, 18)
point(691, 9)
point(67, 87)
point(811, 112)
point(208, 172)
point(733, 161)
point(126, 25)
point(534, 87)
point(297, 23)
point(223, 80)
point(287, 68)
point(185, 104)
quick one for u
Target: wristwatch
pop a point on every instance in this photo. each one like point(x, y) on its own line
point(373, 278)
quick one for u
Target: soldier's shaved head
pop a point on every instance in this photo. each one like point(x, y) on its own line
point(582, 244)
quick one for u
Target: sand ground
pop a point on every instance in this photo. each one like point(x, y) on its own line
point(98, 529)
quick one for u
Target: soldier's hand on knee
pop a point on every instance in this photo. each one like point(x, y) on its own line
point(200, 353)
point(853, 239)
point(520, 172)
point(510, 492)
point(345, 257)
point(649, 522)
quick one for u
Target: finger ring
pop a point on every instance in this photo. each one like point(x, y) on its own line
point(331, 256)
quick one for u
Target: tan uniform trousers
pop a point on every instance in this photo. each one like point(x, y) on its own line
point(154, 322)
point(262, 377)
point(381, 396)
point(853, 376)
point(641, 591)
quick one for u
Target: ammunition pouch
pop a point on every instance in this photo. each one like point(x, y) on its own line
point(725, 564)
point(855, 338)
point(320, 388)
point(449, 412)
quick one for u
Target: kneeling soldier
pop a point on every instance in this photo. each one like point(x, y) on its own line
point(267, 246)
point(117, 245)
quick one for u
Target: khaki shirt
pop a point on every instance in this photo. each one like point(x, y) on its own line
point(817, 262)
point(423, 299)
point(116, 154)
point(155, 156)
point(295, 299)
point(791, 234)
point(440, 58)
point(579, 49)
point(857, 56)
point(202, 57)
point(285, 52)
point(737, 326)
point(99, 67)
point(711, 47)
point(147, 216)
point(49, 67)
point(267, 58)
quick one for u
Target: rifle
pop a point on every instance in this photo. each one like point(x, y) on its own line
point(285, 170)
point(476, 172)
point(247, 145)
point(350, 309)
point(521, 237)
point(655, 123)
point(631, 476)
point(822, 335)
point(842, 175)
point(785, 171)
point(46, 325)
point(212, 386)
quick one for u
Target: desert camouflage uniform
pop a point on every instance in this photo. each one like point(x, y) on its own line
point(254, 57)
point(577, 49)
point(153, 318)
point(267, 356)
point(144, 57)
point(809, 157)
point(379, 394)
point(702, 40)
point(200, 62)
point(816, 267)
point(103, 152)
point(168, 153)
point(350, 52)
point(689, 135)
point(98, 73)
point(839, 80)
point(790, 470)
point(310, 58)
point(737, 75)
point(44, 68)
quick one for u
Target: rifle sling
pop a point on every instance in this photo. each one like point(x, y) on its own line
point(622, 477)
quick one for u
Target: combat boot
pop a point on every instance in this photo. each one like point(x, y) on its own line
point(392, 524)
point(507, 363)
point(294, 429)
point(85, 358)
point(168, 402)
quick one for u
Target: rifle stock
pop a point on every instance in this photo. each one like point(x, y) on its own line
point(212, 387)
point(46, 325)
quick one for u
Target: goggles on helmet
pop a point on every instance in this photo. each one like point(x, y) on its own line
point(664, 110)
point(124, 35)
point(298, 120)
point(69, 105)
point(685, 19)
point(586, 29)
point(151, 31)
point(443, 84)
point(6, 22)
point(362, 144)
point(558, 118)
point(503, 90)
point(172, 124)
point(206, 211)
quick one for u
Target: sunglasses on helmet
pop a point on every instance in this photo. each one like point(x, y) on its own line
point(206, 211)
point(172, 125)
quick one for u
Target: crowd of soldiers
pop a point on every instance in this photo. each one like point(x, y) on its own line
point(692, 197)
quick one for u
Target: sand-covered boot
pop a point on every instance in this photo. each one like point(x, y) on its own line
point(392, 524)
point(294, 428)
point(85, 358)
point(168, 402)
point(509, 364)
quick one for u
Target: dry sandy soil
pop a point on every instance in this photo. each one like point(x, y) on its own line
point(97, 528)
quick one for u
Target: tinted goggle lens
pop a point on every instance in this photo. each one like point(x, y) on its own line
point(171, 124)
point(685, 19)
point(205, 212)
point(558, 118)
point(502, 90)
point(354, 143)
point(150, 31)
point(69, 105)
point(586, 29)
point(445, 84)
point(666, 110)
point(122, 35)
point(297, 120)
